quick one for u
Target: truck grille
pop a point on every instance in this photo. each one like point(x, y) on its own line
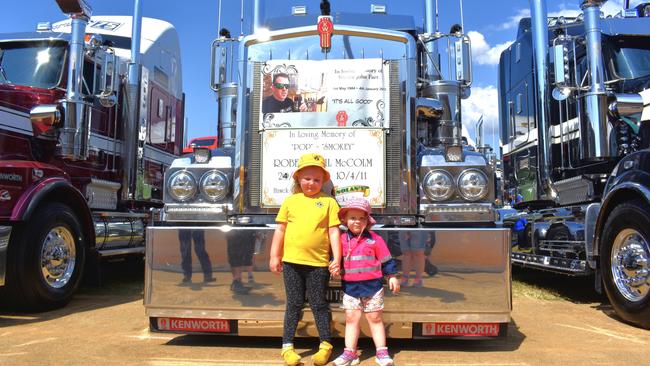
point(394, 140)
point(255, 138)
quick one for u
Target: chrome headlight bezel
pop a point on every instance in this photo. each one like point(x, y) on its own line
point(206, 187)
point(429, 190)
point(190, 183)
point(463, 187)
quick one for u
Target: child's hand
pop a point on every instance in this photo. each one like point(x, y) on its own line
point(393, 284)
point(275, 265)
point(334, 268)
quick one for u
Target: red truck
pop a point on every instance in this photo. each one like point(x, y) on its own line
point(90, 118)
point(208, 142)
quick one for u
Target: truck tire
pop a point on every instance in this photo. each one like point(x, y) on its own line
point(625, 262)
point(46, 259)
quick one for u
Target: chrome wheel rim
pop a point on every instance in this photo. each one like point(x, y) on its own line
point(58, 257)
point(630, 270)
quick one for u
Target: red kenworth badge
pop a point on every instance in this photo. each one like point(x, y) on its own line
point(325, 28)
point(341, 118)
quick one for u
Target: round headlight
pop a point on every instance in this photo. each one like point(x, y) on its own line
point(438, 185)
point(472, 184)
point(214, 185)
point(182, 186)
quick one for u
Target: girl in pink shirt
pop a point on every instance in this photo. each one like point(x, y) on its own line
point(366, 260)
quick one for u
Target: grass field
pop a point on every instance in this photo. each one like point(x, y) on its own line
point(550, 286)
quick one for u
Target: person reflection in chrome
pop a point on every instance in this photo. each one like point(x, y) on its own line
point(185, 237)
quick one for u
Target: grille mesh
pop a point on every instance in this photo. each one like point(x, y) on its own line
point(255, 139)
point(394, 139)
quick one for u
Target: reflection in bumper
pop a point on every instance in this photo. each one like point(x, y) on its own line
point(193, 213)
point(5, 233)
point(466, 279)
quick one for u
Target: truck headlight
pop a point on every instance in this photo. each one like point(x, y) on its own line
point(214, 185)
point(438, 185)
point(472, 184)
point(182, 186)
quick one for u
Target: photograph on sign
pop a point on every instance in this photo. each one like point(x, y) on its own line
point(327, 93)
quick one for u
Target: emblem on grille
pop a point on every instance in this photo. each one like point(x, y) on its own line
point(325, 28)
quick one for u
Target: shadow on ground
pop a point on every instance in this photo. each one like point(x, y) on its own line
point(510, 343)
point(120, 282)
point(535, 283)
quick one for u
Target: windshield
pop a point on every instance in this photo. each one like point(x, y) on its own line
point(631, 58)
point(37, 64)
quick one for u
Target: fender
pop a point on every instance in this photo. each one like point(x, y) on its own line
point(28, 202)
point(54, 189)
point(629, 180)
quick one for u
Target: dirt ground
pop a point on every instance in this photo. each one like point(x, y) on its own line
point(556, 320)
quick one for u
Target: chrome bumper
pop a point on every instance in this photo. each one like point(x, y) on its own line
point(468, 280)
point(5, 234)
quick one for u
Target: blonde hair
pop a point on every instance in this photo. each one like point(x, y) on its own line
point(295, 186)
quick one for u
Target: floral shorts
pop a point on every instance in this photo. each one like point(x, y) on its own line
point(367, 304)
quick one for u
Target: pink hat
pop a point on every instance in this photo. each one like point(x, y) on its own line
point(357, 204)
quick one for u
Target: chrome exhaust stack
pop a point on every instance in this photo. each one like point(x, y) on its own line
point(540, 48)
point(594, 128)
point(74, 135)
point(446, 128)
point(133, 130)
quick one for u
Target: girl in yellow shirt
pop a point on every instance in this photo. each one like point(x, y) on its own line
point(307, 231)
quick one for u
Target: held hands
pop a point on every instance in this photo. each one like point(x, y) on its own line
point(393, 285)
point(334, 268)
point(275, 265)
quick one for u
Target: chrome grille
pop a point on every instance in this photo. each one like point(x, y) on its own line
point(394, 140)
point(255, 138)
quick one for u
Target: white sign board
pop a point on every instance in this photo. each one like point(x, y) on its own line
point(355, 159)
point(327, 93)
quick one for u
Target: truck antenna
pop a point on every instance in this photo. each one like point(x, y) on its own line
point(462, 18)
point(218, 18)
point(437, 20)
point(241, 19)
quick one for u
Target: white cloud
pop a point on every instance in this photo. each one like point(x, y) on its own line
point(613, 7)
point(482, 52)
point(571, 9)
point(484, 101)
point(513, 21)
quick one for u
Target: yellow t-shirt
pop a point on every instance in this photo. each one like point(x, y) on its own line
point(306, 239)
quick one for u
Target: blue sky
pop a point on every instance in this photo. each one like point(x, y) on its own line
point(491, 25)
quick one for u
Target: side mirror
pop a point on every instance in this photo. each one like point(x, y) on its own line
point(463, 51)
point(561, 69)
point(107, 96)
point(560, 64)
point(223, 61)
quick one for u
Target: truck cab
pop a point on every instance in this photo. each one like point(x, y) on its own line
point(360, 84)
point(87, 129)
point(573, 99)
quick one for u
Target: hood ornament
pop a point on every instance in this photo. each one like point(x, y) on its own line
point(325, 26)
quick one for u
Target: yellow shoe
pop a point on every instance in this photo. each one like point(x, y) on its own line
point(321, 357)
point(291, 358)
